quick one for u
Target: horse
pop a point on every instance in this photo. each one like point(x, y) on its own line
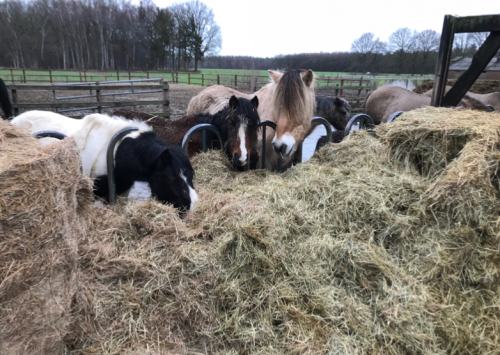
point(336, 111)
point(333, 109)
point(238, 124)
point(384, 101)
point(4, 100)
point(288, 100)
point(139, 156)
point(492, 99)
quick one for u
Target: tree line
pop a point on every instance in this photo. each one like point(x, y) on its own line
point(106, 34)
point(117, 35)
point(407, 51)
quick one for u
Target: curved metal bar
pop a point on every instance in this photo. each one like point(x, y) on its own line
point(363, 119)
point(394, 116)
point(318, 120)
point(111, 162)
point(50, 134)
point(491, 107)
point(200, 127)
point(271, 124)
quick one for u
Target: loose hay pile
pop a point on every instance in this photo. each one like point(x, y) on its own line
point(386, 246)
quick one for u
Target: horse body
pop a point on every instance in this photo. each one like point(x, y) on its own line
point(237, 122)
point(492, 99)
point(139, 156)
point(384, 101)
point(4, 100)
point(287, 101)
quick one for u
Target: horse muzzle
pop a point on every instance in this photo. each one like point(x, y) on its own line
point(237, 160)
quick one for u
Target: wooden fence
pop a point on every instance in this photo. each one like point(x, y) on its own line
point(99, 103)
point(349, 88)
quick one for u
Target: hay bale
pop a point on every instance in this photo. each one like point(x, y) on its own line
point(41, 194)
point(386, 246)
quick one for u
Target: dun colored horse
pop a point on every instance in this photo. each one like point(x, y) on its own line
point(287, 101)
point(492, 99)
point(139, 156)
point(237, 122)
point(384, 101)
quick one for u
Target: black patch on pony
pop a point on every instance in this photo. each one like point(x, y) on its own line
point(149, 159)
point(4, 100)
point(228, 122)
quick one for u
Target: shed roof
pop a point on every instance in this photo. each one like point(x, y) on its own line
point(464, 64)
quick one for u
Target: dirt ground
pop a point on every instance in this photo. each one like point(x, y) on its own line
point(180, 95)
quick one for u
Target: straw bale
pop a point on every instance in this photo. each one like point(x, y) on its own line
point(41, 193)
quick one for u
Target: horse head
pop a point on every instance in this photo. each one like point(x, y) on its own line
point(240, 129)
point(171, 177)
point(333, 109)
point(471, 103)
point(294, 105)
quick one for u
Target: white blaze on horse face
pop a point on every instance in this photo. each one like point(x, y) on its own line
point(192, 193)
point(286, 139)
point(243, 147)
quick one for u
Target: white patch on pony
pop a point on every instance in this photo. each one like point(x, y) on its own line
point(192, 194)
point(285, 139)
point(243, 148)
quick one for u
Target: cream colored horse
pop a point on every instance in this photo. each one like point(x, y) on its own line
point(288, 100)
point(492, 99)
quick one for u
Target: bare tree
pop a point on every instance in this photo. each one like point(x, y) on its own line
point(401, 43)
point(426, 42)
point(366, 48)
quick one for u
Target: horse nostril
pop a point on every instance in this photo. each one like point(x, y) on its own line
point(236, 157)
point(281, 149)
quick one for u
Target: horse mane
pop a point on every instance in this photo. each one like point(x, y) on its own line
point(292, 96)
point(474, 101)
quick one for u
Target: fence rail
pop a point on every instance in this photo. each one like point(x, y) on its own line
point(98, 87)
point(352, 89)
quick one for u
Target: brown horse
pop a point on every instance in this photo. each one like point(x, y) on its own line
point(237, 123)
point(287, 101)
point(384, 101)
point(492, 99)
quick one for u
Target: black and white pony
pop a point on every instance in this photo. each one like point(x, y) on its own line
point(4, 100)
point(139, 156)
point(336, 111)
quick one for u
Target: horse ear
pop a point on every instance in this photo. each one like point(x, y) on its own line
point(308, 77)
point(338, 102)
point(255, 101)
point(275, 75)
point(233, 102)
point(164, 159)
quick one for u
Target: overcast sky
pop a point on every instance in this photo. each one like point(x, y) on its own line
point(265, 28)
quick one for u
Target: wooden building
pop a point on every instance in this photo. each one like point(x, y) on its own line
point(459, 65)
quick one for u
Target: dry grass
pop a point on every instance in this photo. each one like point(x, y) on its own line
point(383, 246)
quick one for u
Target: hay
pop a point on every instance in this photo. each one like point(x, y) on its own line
point(374, 246)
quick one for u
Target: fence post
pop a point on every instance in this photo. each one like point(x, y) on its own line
point(202, 80)
point(129, 75)
point(235, 81)
point(85, 75)
point(148, 74)
point(14, 101)
point(189, 78)
point(166, 101)
point(24, 76)
point(98, 97)
point(80, 72)
point(117, 75)
point(50, 76)
point(336, 90)
point(12, 76)
point(360, 85)
point(177, 77)
point(218, 79)
point(342, 85)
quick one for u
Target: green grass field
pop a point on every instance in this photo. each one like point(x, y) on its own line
point(207, 77)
